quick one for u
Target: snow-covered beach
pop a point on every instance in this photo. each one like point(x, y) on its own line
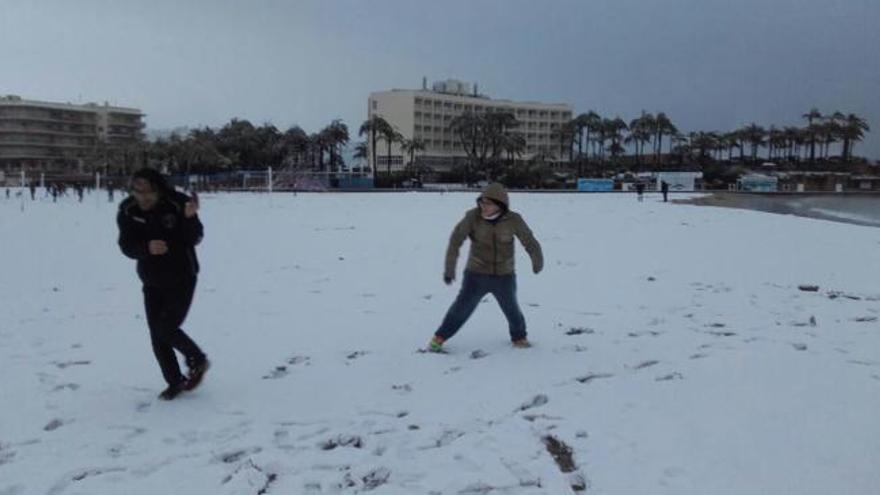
point(674, 353)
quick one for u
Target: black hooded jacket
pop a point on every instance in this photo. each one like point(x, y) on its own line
point(164, 222)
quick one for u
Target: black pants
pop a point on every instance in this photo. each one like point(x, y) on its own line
point(166, 309)
point(473, 288)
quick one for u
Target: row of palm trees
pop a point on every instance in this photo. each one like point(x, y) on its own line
point(645, 136)
point(789, 143)
point(241, 145)
point(494, 142)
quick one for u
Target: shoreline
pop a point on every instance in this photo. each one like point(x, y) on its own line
point(862, 209)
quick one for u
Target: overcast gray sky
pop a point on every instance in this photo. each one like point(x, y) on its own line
point(709, 64)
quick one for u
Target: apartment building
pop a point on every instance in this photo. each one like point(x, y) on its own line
point(426, 114)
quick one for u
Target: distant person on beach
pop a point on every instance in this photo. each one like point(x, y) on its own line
point(491, 228)
point(640, 190)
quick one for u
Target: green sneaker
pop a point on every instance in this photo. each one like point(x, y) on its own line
point(436, 344)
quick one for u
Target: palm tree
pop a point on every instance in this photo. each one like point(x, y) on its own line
point(580, 123)
point(838, 121)
point(704, 143)
point(391, 136)
point(641, 131)
point(411, 146)
point(663, 126)
point(375, 126)
point(362, 151)
point(514, 145)
point(565, 134)
point(335, 136)
point(812, 116)
point(614, 131)
point(317, 145)
point(239, 141)
point(774, 141)
point(470, 130)
point(755, 136)
point(268, 151)
point(829, 133)
point(592, 122)
point(606, 129)
point(793, 140)
point(852, 131)
point(496, 127)
point(731, 141)
point(295, 145)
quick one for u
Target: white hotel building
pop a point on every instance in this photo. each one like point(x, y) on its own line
point(426, 114)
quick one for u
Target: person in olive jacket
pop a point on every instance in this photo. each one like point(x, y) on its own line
point(491, 227)
point(159, 227)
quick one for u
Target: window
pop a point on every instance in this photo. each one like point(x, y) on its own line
point(375, 105)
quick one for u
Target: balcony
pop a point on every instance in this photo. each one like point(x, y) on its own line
point(48, 132)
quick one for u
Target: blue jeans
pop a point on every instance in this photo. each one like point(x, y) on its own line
point(473, 288)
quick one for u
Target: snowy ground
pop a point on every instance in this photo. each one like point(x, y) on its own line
point(674, 354)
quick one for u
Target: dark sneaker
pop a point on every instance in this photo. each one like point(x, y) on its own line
point(173, 391)
point(195, 375)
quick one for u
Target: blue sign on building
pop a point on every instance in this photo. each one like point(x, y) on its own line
point(595, 185)
point(758, 183)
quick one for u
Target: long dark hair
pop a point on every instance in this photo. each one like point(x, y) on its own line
point(155, 178)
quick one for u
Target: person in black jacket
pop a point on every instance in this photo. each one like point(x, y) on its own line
point(159, 227)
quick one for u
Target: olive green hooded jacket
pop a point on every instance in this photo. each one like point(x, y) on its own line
point(491, 250)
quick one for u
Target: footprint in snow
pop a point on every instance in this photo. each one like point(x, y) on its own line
point(479, 354)
point(592, 376)
point(278, 372)
point(670, 377)
point(68, 364)
point(645, 364)
point(536, 401)
point(53, 425)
